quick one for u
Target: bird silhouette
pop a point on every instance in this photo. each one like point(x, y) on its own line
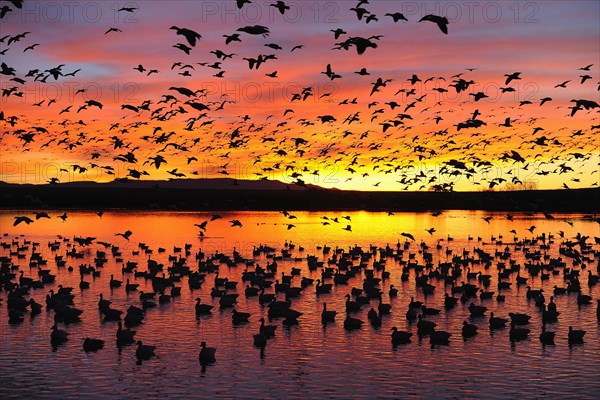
point(144, 351)
point(21, 219)
point(512, 77)
point(441, 22)
point(396, 17)
point(240, 3)
point(126, 235)
point(408, 235)
point(190, 35)
point(207, 354)
point(255, 30)
point(112, 30)
point(338, 32)
point(281, 6)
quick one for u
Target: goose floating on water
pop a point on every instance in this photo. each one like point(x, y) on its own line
point(547, 337)
point(326, 315)
point(439, 338)
point(518, 333)
point(576, 336)
point(58, 336)
point(497, 322)
point(124, 335)
point(90, 344)
point(400, 337)
point(144, 351)
point(207, 354)
point(352, 323)
point(469, 330)
point(202, 309)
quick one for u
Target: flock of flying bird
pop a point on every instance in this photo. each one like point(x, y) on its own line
point(188, 125)
point(464, 276)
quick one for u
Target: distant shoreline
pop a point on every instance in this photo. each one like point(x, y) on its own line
point(276, 196)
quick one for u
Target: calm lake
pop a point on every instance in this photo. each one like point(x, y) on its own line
point(308, 359)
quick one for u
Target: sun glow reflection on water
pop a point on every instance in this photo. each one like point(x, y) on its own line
point(306, 359)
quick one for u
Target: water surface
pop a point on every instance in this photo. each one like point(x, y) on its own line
point(305, 360)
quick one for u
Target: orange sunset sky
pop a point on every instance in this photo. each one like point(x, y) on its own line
point(419, 135)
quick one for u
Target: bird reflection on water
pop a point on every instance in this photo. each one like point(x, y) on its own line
point(450, 290)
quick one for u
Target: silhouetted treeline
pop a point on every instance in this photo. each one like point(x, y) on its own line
point(132, 197)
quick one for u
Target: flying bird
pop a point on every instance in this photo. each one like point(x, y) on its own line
point(20, 219)
point(184, 48)
point(442, 22)
point(396, 17)
point(112, 30)
point(33, 46)
point(190, 35)
point(281, 6)
point(4, 10)
point(235, 37)
point(126, 235)
point(202, 225)
point(511, 77)
point(408, 235)
point(41, 214)
point(255, 30)
point(338, 32)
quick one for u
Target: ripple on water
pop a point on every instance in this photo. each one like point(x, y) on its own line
point(307, 360)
